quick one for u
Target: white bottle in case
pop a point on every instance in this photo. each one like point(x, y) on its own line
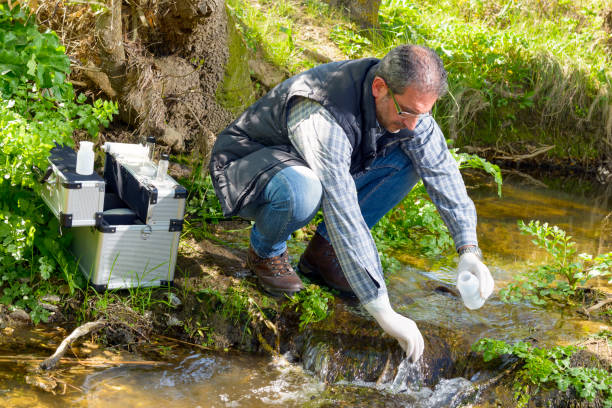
point(162, 167)
point(469, 288)
point(85, 158)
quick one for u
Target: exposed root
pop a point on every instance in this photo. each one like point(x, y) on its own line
point(531, 155)
point(598, 305)
point(80, 331)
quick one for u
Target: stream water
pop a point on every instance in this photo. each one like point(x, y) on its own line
point(193, 379)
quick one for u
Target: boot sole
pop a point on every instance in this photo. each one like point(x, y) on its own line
point(275, 292)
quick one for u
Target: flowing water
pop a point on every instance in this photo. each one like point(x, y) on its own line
point(190, 379)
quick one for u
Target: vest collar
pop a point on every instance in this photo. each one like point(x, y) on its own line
point(368, 105)
point(371, 130)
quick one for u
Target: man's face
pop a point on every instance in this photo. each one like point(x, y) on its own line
point(412, 102)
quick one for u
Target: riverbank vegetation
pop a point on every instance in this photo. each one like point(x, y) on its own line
point(549, 368)
point(565, 278)
point(38, 108)
point(526, 78)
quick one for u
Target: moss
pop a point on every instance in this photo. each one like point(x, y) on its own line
point(236, 92)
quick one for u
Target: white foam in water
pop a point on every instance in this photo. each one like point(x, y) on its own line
point(408, 376)
point(409, 380)
point(444, 392)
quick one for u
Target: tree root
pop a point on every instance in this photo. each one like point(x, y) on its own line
point(82, 330)
point(531, 155)
point(598, 305)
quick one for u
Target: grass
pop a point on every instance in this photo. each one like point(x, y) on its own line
point(522, 73)
point(271, 27)
point(516, 72)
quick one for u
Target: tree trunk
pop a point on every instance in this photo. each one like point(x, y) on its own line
point(164, 62)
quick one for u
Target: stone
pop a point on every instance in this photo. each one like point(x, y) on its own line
point(20, 315)
point(174, 321)
point(174, 300)
point(51, 298)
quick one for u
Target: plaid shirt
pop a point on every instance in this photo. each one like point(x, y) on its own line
point(322, 143)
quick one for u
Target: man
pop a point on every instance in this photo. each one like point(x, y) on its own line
point(352, 137)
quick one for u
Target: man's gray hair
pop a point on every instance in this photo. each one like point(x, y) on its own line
point(413, 65)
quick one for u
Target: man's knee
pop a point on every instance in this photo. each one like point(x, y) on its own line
point(304, 192)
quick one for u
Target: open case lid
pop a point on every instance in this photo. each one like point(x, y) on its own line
point(136, 195)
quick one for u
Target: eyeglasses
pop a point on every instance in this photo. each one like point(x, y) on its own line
point(404, 114)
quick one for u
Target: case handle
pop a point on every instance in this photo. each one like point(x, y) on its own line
point(146, 232)
point(47, 174)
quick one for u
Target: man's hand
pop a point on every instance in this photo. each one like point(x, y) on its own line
point(403, 329)
point(470, 262)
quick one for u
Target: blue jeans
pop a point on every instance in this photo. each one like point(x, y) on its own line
point(293, 196)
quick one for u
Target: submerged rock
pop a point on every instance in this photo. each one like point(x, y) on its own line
point(349, 346)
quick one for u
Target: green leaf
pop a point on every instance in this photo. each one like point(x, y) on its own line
point(32, 65)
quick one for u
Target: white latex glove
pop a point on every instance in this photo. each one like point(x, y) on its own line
point(470, 262)
point(401, 328)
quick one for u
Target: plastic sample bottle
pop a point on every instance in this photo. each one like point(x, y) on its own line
point(85, 158)
point(469, 288)
point(162, 167)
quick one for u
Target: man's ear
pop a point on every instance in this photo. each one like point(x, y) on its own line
point(379, 87)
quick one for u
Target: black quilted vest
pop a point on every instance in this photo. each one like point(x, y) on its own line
point(253, 148)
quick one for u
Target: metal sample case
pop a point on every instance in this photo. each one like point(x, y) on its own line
point(123, 252)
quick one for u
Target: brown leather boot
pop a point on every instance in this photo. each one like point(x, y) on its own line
point(319, 260)
point(275, 274)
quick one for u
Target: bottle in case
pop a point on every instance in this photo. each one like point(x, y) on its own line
point(75, 199)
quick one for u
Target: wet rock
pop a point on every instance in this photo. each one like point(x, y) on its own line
point(44, 383)
point(350, 346)
point(20, 315)
point(48, 306)
point(359, 396)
